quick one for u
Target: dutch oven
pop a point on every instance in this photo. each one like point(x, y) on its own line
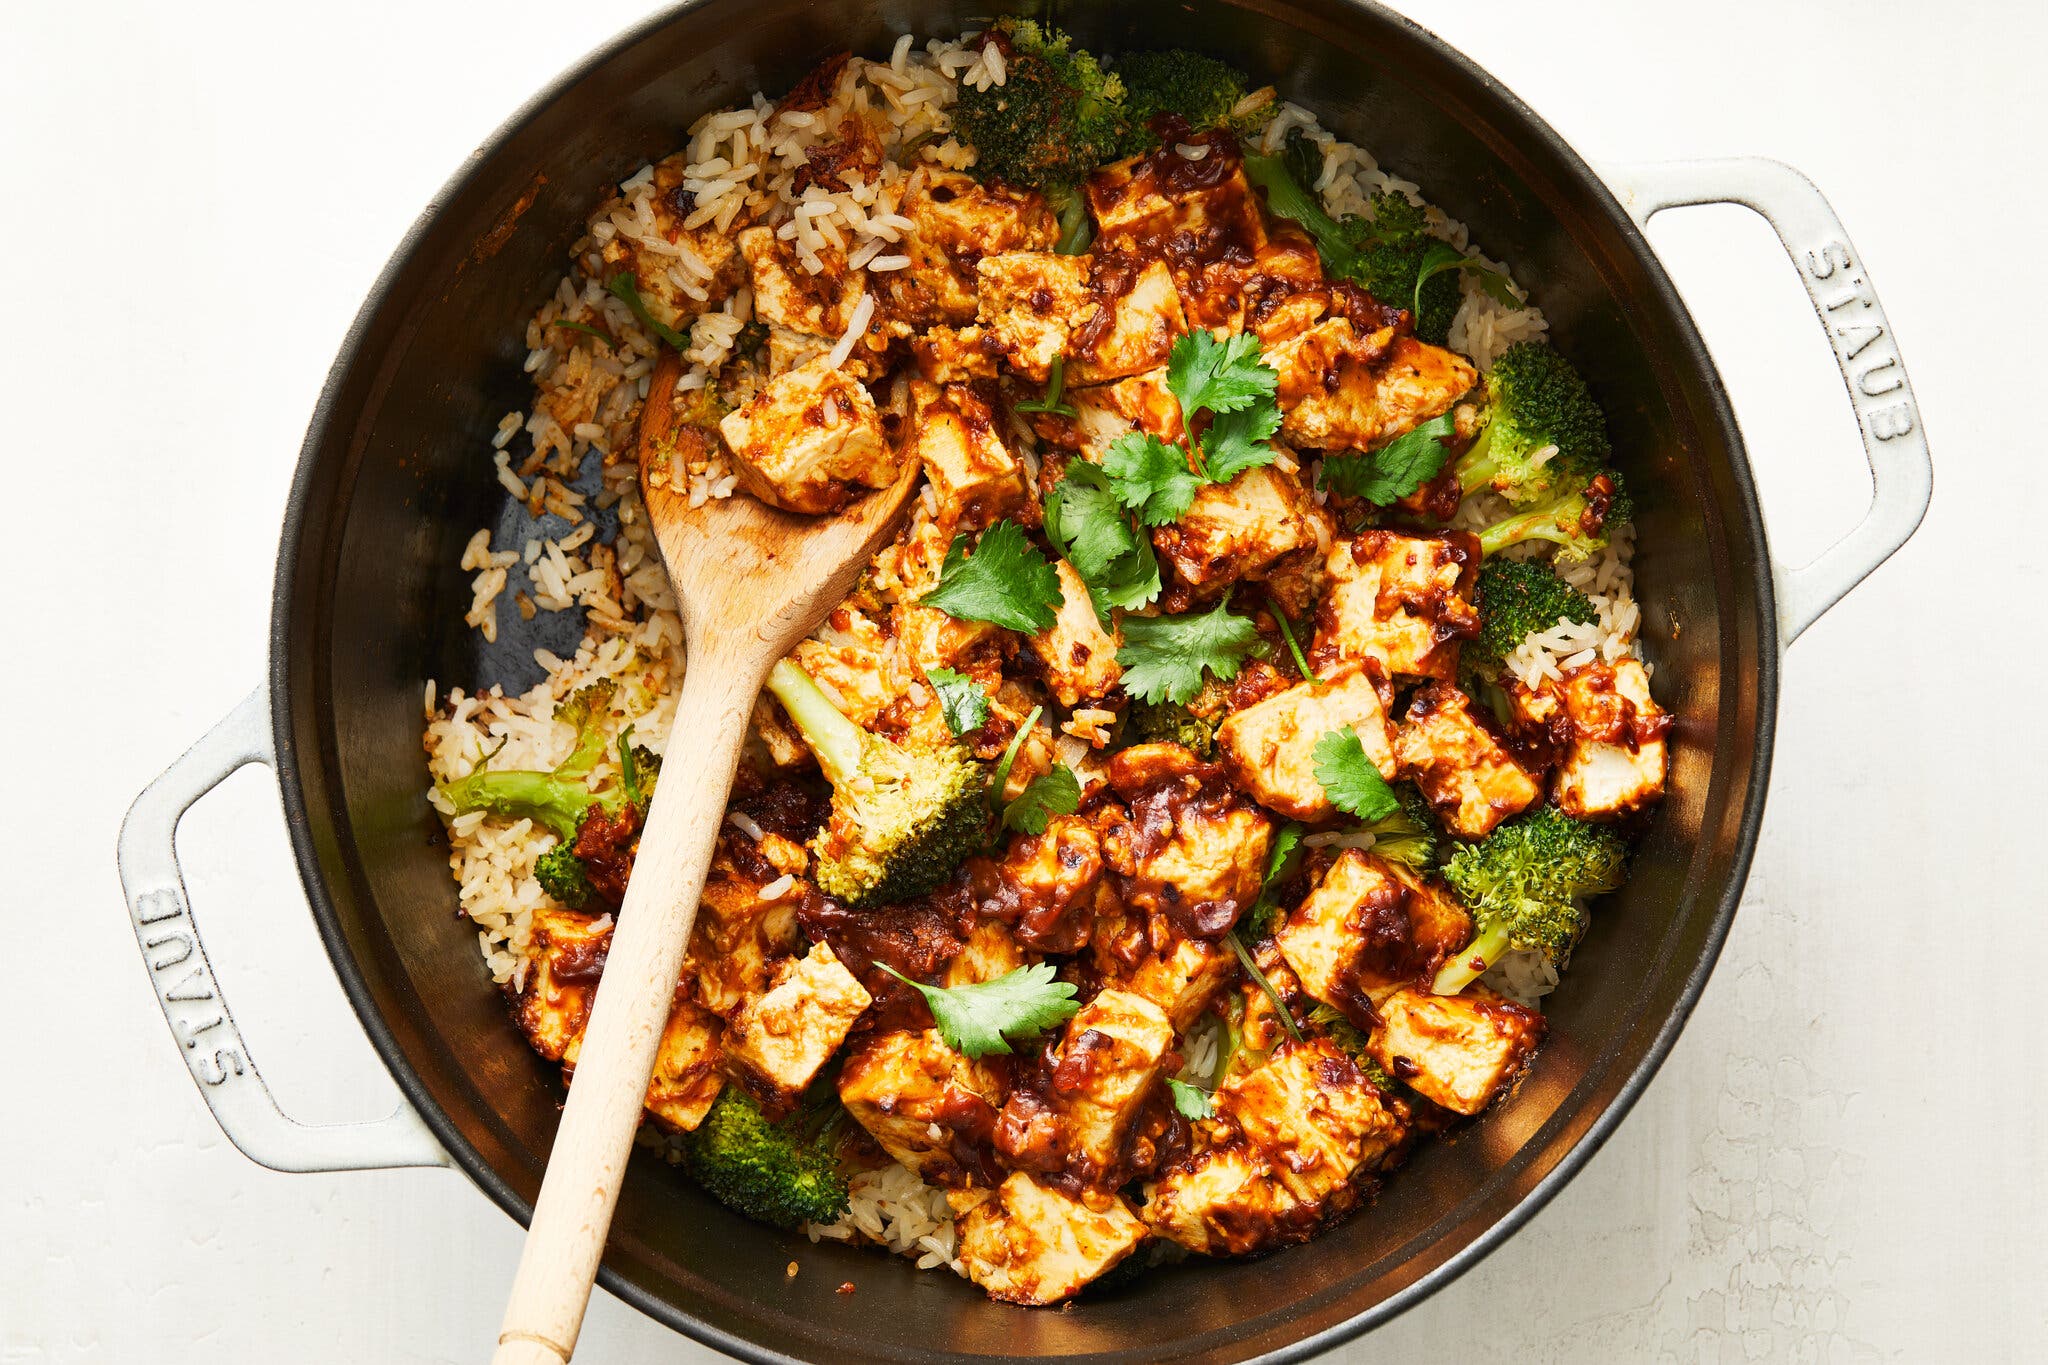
point(369, 600)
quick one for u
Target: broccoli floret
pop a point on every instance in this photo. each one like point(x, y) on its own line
point(781, 1174)
point(1525, 885)
point(1576, 521)
point(1535, 401)
point(1188, 85)
point(560, 873)
point(1169, 723)
point(1056, 116)
point(1408, 835)
point(1516, 599)
point(902, 819)
point(1383, 254)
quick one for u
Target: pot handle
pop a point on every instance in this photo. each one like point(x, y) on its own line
point(185, 986)
point(1865, 349)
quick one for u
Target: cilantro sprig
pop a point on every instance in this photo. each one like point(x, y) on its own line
point(1093, 533)
point(1351, 778)
point(982, 1018)
point(1165, 657)
point(1057, 792)
point(1234, 385)
point(1283, 860)
point(1056, 379)
point(962, 700)
point(1191, 1101)
point(1005, 581)
point(1396, 469)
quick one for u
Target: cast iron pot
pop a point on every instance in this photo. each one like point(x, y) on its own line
point(368, 598)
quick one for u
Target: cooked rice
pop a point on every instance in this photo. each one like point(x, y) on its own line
point(587, 398)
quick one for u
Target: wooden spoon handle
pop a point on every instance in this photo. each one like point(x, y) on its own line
point(566, 1238)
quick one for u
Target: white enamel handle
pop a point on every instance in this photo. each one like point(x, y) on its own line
point(1866, 350)
point(185, 986)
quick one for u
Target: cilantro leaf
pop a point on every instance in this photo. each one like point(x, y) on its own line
point(1092, 532)
point(1164, 657)
point(1351, 778)
point(1222, 376)
point(621, 286)
point(961, 699)
point(1006, 581)
point(1236, 441)
point(1191, 1101)
point(977, 1020)
point(1443, 256)
point(1394, 470)
point(1150, 477)
point(600, 333)
point(1055, 793)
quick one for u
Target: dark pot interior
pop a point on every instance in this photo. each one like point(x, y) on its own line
point(395, 476)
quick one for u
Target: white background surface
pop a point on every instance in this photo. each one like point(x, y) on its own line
point(1842, 1159)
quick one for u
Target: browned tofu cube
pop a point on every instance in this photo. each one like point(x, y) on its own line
point(808, 440)
point(1242, 529)
point(1194, 847)
point(974, 474)
point(1105, 412)
point(1147, 956)
point(1102, 1071)
point(561, 979)
point(957, 221)
point(672, 265)
point(1343, 390)
point(1033, 1244)
point(956, 355)
point(1165, 196)
point(1225, 1201)
point(686, 1076)
point(1076, 654)
point(1471, 779)
point(1404, 602)
point(991, 951)
point(1269, 748)
point(1617, 758)
point(1313, 1115)
point(787, 1034)
point(916, 1097)
point(1457, 1050)
point(741, 937)
point(1042, 305)
point(1047, 885)
point(1371, 927)
point(789, 296)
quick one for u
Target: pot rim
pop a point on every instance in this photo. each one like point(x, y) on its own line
point(290, 773)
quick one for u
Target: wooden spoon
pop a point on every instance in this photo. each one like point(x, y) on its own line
point(750, 582)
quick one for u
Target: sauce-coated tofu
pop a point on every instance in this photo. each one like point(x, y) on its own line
point(1404, 601)
point(1041, 305)
point(1105, 1065)
point(1147, 956)
point(1470, 778)
point(787, 295)
point(958, 220)
point(1104, 412)
point(1457, 1050)
point(1225, 1201)
point(1047, 885)
point(1345, 390)
point(740, 939)
point(1076, 653)
point(1032, 1244)
point(686, 1077)
point(1369, 928)
point(972, 471)
point(1313, 1115)
point(1617, 758)
point(1269, 748)
point(1243, 528)
point(808, 439)
point(913, 1094)
point(785, 1035)
point(1194, 847)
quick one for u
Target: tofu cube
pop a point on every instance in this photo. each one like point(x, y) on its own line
point(1076, 653)
point(1456, 1050)
point(1225, 1201)
point(1104, 412)
point(787, 1034)
point(1345, 390)
point(991, 951)
point(808, 439)
point(1054, 881)
point(561, 980)
point(1472, 781)
point(686, 1076)
point(653, 269)
point(1314, 1116)
point(1404, 602)
point(1617, 758)
point(1242, 529)
point(1042, 305)
point(966, 461)
point(1269, 748)
point(787, 295)
point(913, 1094)
point(740, 939)
point(956, 220)
point(1032, 1244)
point(956, 355)
point(1146, 956)
point(1146, 200)
point(1369, 928)
point(1194, 847)
point(1101, 1073)
point(849, 660)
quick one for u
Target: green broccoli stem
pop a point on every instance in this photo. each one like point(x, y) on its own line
point(1076, 231)
point(1541, 523)
point(1476, 467)
point(553, 802)
point(1468, 966)
point(1287, 199)
point(835, 741)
